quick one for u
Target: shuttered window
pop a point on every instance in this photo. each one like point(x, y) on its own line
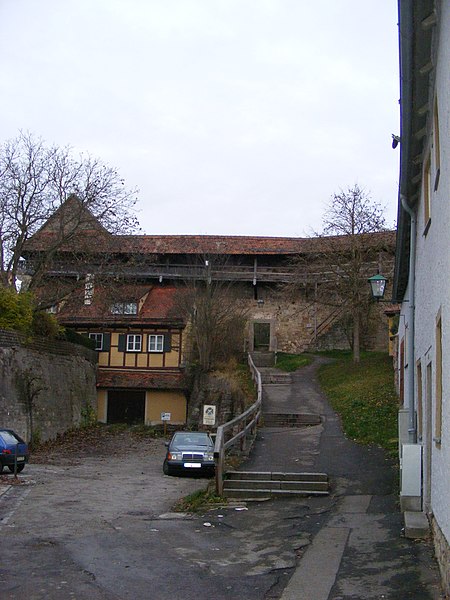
point(134, 342)
point(156, 343)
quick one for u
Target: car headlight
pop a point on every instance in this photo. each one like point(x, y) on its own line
point(174, 456)
point(209, 456)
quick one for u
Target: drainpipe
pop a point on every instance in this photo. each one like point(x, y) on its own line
point(412, 431)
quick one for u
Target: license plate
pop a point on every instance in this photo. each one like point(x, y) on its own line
point(20, 458)
point(192, 465)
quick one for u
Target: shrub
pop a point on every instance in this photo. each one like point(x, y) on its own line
point(16, 310)
point(76, 338)
point(45, 324)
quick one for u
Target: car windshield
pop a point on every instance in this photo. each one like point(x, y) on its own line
point(195, 439)
point(8, 437)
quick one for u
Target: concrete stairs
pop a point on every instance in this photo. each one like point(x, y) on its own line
point(263, 359)
point(259, 485)
point(272, 377)
point(289, 419)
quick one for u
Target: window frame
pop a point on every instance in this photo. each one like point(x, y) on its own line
point(437, 144)
point(96, 337)
point(427, 191)
point(124, 308)
point(438, 383)
point(134, 342)
point(158, 337)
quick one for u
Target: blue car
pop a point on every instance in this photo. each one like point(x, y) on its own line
point(10, 444)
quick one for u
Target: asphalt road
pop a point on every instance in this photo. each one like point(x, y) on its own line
point(95, 523)
point(100, 526)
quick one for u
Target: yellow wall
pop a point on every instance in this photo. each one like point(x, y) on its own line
point(103, 358)
point(130, 359)
point(102, 396)
point(157, 402)
point(156, 359)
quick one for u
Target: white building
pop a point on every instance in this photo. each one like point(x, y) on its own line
point(422, 272)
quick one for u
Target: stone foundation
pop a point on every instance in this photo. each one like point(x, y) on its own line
point(442, 550)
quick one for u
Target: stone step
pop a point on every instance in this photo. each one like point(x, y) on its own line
point(256, 485)
point(416, 525)
point(274, 378)
point(275, 476)
point(289, 419)
point(263, 493)
point(263, 359)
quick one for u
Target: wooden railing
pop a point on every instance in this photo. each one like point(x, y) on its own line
point(238, 429)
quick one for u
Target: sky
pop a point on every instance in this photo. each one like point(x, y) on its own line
point(231, 117)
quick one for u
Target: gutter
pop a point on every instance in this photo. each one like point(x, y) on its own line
point(412, 430)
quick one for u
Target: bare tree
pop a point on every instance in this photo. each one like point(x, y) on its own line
point(36, 179)
point(353, 212)
point(31, 386)
point(351, 246)
point(215, 314)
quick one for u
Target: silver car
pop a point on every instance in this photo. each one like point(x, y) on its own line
point(189, 452)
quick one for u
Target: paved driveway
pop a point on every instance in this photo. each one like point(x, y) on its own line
point(95, 522)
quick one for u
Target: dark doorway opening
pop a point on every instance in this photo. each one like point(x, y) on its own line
point(126, 406)
point(261, 336)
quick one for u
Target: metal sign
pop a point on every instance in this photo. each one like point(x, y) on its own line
point(165, 416)
point(209, 414)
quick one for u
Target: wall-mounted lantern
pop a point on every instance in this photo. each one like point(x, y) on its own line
point(378, 286)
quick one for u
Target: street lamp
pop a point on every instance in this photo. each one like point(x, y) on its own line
point(377, 286)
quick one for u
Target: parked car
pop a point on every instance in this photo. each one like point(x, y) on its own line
point(10, 444)
point(189, 452)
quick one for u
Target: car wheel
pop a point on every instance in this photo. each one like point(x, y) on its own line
point(1, 467)
point(166, 469)
point(20, 468)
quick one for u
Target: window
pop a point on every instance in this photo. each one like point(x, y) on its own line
point(156, 343)
point(124, 308)
point(134, 342)
point(438, 417)
point(419, 402)
point(437, 145)
point(427, 193)
point(98, 338)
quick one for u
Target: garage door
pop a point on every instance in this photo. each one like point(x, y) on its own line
point(126, 406)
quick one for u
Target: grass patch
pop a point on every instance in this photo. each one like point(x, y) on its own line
point(291, 362)
point(246, 382)
point(199, 501)
point(364, 396)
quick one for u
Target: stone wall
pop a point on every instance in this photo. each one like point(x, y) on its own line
point(62, 377)
point(442, 551)
point(218, 389)
point(300, 324)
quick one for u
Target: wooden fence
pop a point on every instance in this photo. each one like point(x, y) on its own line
point(240, 429)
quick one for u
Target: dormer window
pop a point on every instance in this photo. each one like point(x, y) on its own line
point(124, 308)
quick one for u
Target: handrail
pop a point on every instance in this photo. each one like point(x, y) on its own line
point(247, 421)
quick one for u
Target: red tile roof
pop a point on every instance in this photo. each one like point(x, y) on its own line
point(233, 245)
point(174, 380)
point(159, 305)
point(92, 237)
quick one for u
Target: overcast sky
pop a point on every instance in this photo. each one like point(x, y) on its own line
point(232, 117)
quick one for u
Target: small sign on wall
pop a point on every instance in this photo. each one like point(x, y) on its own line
point(209, 414)
point(165, 416)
